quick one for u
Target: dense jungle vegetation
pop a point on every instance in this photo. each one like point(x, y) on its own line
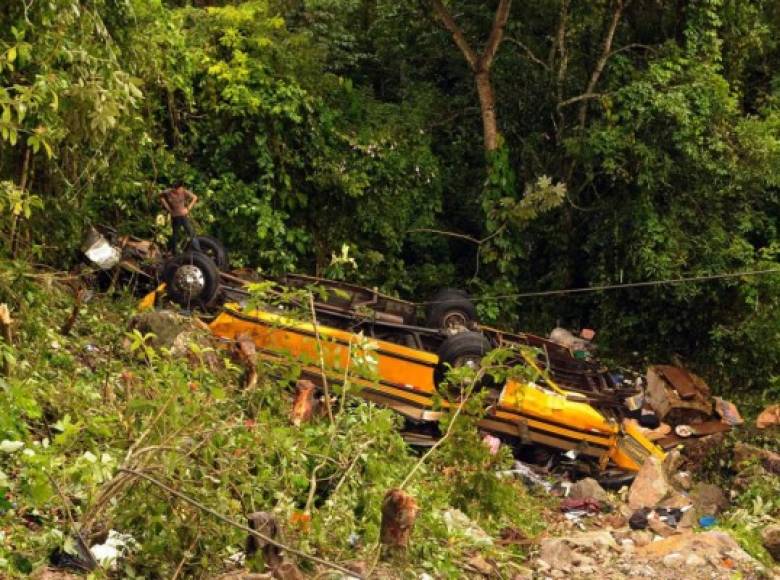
point(632, 141)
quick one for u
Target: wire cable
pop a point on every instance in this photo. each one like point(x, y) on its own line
point(607, 287)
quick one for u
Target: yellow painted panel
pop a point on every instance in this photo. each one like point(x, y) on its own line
point(283, 335)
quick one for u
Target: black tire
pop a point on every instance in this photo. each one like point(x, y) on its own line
point(450, 308)
point(202, 291)
point(213, 248)
point(461, 349)
point(615, 479)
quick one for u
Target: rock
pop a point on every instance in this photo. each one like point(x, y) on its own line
point(769, 417)
point(615, 521)
point(166, 325)
point(683, 480)
point(710, 545)
point(673, 560)
point(695, 561)
point(770, 537)
point(708, 499)
point(688, 519)
point(628, 546)
point(459, 523)
point(593, 541)
point(638, 520)
point(641, 538)
point(556, 552)
point(661, 528)
point(588, 487)
point(672, 462)
point(542, 566)
point(480, 565)
point(558, 574)
point(676, 500)
point(650, 485)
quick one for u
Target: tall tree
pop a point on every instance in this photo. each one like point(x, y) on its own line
point(480, 63)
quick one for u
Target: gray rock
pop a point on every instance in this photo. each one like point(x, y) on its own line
point(588, 487)
point(556, 553)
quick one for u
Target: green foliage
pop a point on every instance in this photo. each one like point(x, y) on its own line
point(78, 408)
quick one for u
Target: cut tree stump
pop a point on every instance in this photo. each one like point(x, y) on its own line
point(304, 402)
point(246, 353)
point(399, 511)
point(266, 524)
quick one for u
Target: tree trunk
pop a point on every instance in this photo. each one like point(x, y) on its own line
point(488, 105)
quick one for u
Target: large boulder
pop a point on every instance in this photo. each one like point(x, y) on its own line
point(588, 487)
point(708, 499)
point(650, 485)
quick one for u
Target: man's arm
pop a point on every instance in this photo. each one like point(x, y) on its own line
point(193, 200)
point(164, 201)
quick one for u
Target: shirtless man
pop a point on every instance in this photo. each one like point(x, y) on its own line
point(178, 201)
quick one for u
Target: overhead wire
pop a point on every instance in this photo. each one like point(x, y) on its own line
point(607, 287)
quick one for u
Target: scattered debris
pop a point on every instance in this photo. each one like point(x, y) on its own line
point(571, 341)
point(580, 506)
point(527, 475)
point(728, 412)
point(116, 546)
point(492, 442)
point(678, 396)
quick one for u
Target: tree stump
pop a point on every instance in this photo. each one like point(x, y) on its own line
point(266, 524)
point(304, 402)
point(246, 354)
point(399, 511)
